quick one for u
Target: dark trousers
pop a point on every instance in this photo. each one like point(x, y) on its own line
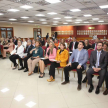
point(25, 61)
point(13, 59)
point(73, 66)
point(101, 74)
point(106, 79)
point(52, 68)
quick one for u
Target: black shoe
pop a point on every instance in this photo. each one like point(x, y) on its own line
point(21, 68)
point(65, 82)
point(84, 80)
point(105, 92)
point(91, 88)
point(25, 70)
point(43, 74)
point(97, 90)
point(79, 87)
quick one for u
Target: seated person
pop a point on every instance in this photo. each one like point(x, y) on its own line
point(33, 42)
point(16, 54)
point(106, 80)
point(8, 48)
point(98, 64)
point(24, 43)
point(87, 45)
point(37, 53)
point(50, 54)
point(61, 61)
point(63, 41)
point(26, 57)
point(77, 61)
point(47, 43)
point(56, 43)
point(42, 41)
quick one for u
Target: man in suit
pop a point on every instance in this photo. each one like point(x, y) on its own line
point(98, 64)
point(73, 45)
point(77, 61)
point(47, 36)
point(25, 58)
point(94, 46)
point(15, 40)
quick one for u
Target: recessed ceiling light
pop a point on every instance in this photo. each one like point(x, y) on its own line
point(95, 18)
point(19, 97)
point(1, 14)
point(12, 19)
point(30, 21)
point(30, 104)
point(78, 20)
point(44, 22)
point(26, 7)
point(52, 13)
point(75, 10)
point(13, 10)
point(53, 1)
point(39, 15)
point(24, 17)
point(56, 18)
point(54, 24)
point(67, 17)
point(4, 90)
point(42, 19)
point(100, 21)
point(104, 6)
point(65, 23)
point(69, 20)
point(86, 22)
point(87, 15)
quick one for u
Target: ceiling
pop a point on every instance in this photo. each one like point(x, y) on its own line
point(62, 9)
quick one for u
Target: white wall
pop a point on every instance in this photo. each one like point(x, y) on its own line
point(26, 31)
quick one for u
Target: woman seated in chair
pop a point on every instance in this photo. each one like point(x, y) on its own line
point(61, 61)
point(56, 43)
point(50, 54)
point(8, 48)
point(16, 54)
point(63, 41)
point(87, 45)
point(37, 53)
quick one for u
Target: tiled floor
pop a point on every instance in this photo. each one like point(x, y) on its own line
point(42, 94)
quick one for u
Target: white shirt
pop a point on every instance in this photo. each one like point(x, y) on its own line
point(73, 45)
point(24, 44)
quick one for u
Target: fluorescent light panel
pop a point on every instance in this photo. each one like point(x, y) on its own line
point(24, 17)
point(75, 10)
point(65, 23)
point(1, 14)
point(30, 104)
point(26, 7)
point(12, 19)
point(4, 90)
point(100, 21)
point(52, 13)
point(39, 15)
point(30, 21)
point(53, 1)
point(42, 19)
point(87, 15)
point(19, 98)
point(103, 6)
point(56, 18)
point(67, 17)
point(95, 18)
point(13, 10)
point(78, 20)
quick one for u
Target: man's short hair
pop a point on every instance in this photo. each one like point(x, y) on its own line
point(100, 42)
point(82, 43)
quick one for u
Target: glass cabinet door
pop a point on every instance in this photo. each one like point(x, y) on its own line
point(9, 34)
point(3, 34)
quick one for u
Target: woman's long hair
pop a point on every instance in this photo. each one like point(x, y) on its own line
point(51, 49)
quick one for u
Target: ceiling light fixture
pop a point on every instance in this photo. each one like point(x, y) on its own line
point(4, 90)
point(30, 104)
point(67, 17)
point(95, 18)
point(56, 18)
point(30, 21)
point(19, 98)
point(52, 13)
point(42, 19)
point(86, 22)
point(75, 10)
point(87, 15)
point(100, 21)
point(13, 10)
point(103, 6)
point(12, 19)
point(26, 7)
point(1, 14)
point(65, 23)
point(78, 20)
point(39, 15)
point(53, 1)
point(69, 20)
point(24, 17)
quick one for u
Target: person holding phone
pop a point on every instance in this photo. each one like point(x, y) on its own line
point(60, 61)
point(77, 61)
point(37, 53)
point(50, 54)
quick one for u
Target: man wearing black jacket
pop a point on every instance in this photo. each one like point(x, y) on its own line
point(73, 45)
point(25, 58)
point(15, 40)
